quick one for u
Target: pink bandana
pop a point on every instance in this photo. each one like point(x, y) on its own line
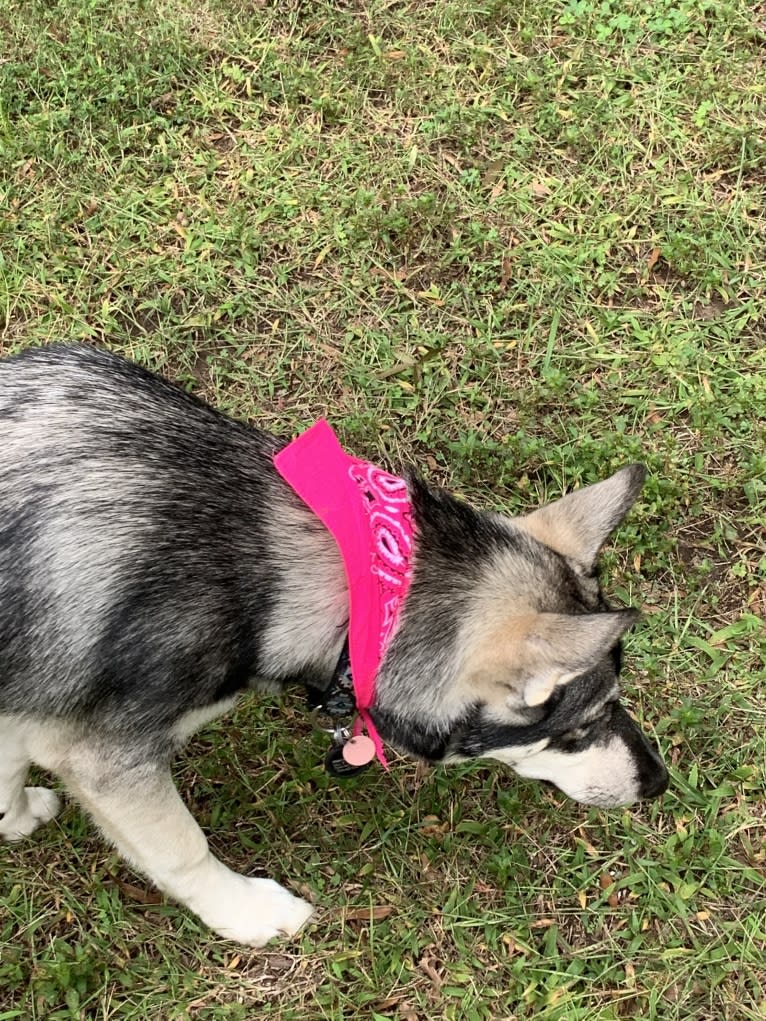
point(369, 515)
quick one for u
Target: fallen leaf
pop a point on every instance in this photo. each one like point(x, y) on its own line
point(406, 1011)
point(432, 827)
point(375, 914)
point(138, 893)
point(493, 171)
point(506, 272)
point(387, 1004)
point(605, 881)
point(427, 966)
point(322, 256)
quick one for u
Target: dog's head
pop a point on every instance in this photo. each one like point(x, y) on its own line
point(507, 650)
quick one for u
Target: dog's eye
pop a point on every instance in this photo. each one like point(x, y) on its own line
point(577, 735)
point(574, 737)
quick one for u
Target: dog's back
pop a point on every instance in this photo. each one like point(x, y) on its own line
point(127, 508)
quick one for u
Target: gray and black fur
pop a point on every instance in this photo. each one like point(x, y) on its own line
point(153, 564)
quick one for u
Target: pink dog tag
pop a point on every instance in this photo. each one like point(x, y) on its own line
point(359, 750)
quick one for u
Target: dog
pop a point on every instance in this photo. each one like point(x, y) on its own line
point(154, 564)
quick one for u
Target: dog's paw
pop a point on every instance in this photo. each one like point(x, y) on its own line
point(35, 807)
point(253, 911)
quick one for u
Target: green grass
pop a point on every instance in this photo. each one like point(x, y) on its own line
point(516, 244)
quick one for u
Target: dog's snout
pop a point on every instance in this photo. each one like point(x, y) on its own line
point(655, 784)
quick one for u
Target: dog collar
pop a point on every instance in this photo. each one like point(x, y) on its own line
point(337, 703)
point(368, 513)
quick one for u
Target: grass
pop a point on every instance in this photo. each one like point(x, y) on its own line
point(518, 245)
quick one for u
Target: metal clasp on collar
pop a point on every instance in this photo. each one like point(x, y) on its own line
point(340, 734)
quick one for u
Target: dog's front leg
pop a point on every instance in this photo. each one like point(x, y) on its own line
point(22, 809)
point(140, 811)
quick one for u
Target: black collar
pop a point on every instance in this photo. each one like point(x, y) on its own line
point(338, 702)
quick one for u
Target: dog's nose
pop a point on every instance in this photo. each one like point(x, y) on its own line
point(656, 784)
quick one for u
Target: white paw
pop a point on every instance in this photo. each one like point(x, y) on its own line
point(253, 911)
point(34, 807)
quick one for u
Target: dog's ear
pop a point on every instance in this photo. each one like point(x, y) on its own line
point(535, 653)
point(580, 523)
point(556, 648)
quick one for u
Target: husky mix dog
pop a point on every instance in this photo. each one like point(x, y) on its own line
point(153, 564)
